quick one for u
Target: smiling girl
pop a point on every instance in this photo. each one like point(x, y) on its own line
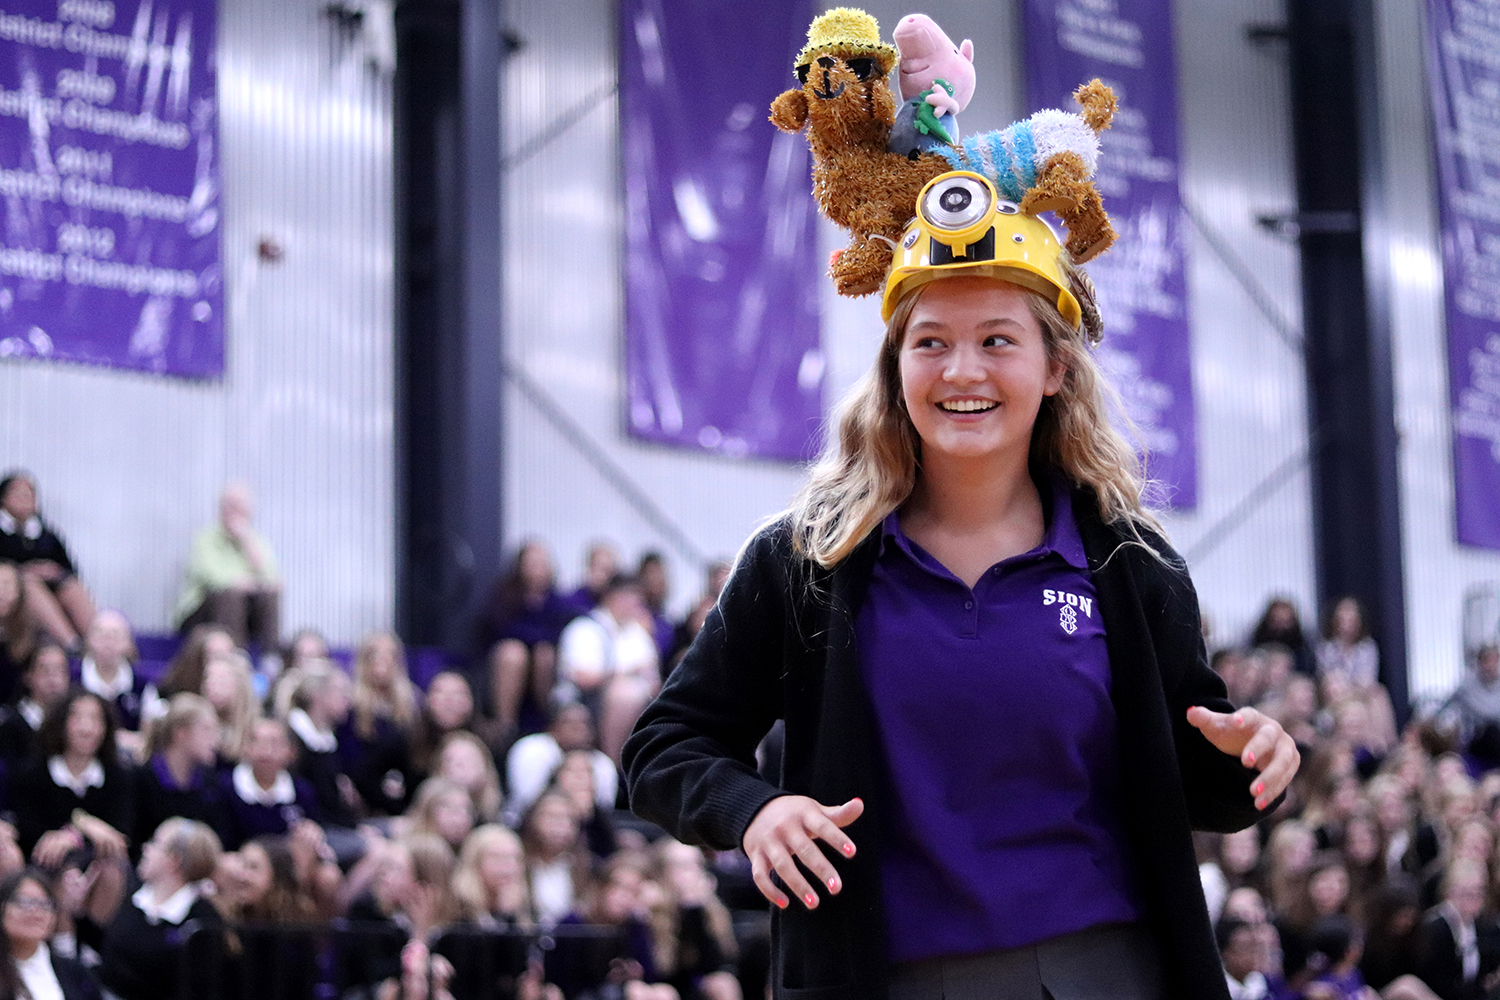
point(985, 792)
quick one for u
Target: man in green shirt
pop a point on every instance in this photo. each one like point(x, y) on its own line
point(232, 578)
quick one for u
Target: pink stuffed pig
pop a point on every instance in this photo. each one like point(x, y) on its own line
point(928, 55)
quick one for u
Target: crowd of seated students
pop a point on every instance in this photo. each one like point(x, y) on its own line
point(223, 828)
point(1380, 873)
point(212, 829)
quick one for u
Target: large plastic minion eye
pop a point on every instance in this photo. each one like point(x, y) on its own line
point(956, 203)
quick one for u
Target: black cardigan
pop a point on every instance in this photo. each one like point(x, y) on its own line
point(74, 977)
point(781, 644)
point(42, 805)
point(1440, 963)
point(141, 960)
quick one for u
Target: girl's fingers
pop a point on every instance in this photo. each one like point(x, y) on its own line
point(762, 878)
point(782, 842)
point(1226, 732)
point(1280, 768)
point(1284, 769)
point(815, 861)
point(791, 876)
point(1258, 751)
point(828, 831)
point(1204, 718)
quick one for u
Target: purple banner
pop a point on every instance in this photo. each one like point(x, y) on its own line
point(1142, 286)
point(1463, 40)
point(722, 276)
point(109, 170)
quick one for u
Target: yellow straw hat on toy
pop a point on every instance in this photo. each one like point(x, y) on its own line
point(847, 32)
point(962, 225)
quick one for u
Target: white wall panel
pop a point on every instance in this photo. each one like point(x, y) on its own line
point(1252, 408)
point(130, 466)
point(1438, 570)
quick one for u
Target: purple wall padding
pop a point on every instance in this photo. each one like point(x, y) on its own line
point(722, 277)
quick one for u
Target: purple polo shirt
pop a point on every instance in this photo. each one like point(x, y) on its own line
point(995, 719)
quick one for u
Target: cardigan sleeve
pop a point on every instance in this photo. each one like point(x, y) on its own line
point(1216, 784)
point(57, 551)
point(690, 763)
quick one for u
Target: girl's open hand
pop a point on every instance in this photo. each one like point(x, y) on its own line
point(1259, 742)
point(784, 832)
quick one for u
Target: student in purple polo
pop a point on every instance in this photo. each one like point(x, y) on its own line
point(1000, 722)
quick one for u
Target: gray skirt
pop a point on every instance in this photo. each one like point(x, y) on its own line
point(1112, 962)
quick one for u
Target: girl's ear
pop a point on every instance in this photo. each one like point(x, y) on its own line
point(1057, 372)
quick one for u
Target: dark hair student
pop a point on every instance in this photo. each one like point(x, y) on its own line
point(28, 919)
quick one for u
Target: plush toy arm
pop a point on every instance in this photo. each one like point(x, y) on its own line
point(789, 111)
point(942, 100)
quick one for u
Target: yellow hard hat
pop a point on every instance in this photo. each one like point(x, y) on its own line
point(962, 225)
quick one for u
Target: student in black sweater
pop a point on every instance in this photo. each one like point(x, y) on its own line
point(75, 791)
point(178, 779)
point(108, 668)
point(57, 600)
point(28, 918)
point(166, 940)
point(18, 633)
point(44, 680)
point(320, 704)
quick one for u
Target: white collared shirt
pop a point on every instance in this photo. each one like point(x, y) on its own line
point(173, 909)
point(1465, 938)
point(31, 712)
point(31, 530)
point(317, 740)
point(1396, 850)
point(1253, 988)
point(38, 976)
point(282, 792)
point(78, 784)
point(597, 646)
point(552, 891)
point(108, 690)
point(529, 766)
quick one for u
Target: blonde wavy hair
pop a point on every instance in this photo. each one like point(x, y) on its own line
point(396, 701)
point(182, 711)
point(487, 798)
point(870, 467)
point(239, 714)
point(474, 898)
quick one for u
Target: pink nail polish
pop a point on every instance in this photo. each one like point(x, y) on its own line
point(1251, 758)
point(849, 850)
point(782, 902)
point(833, 884)
point(1259, 788)
point(810, 899)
